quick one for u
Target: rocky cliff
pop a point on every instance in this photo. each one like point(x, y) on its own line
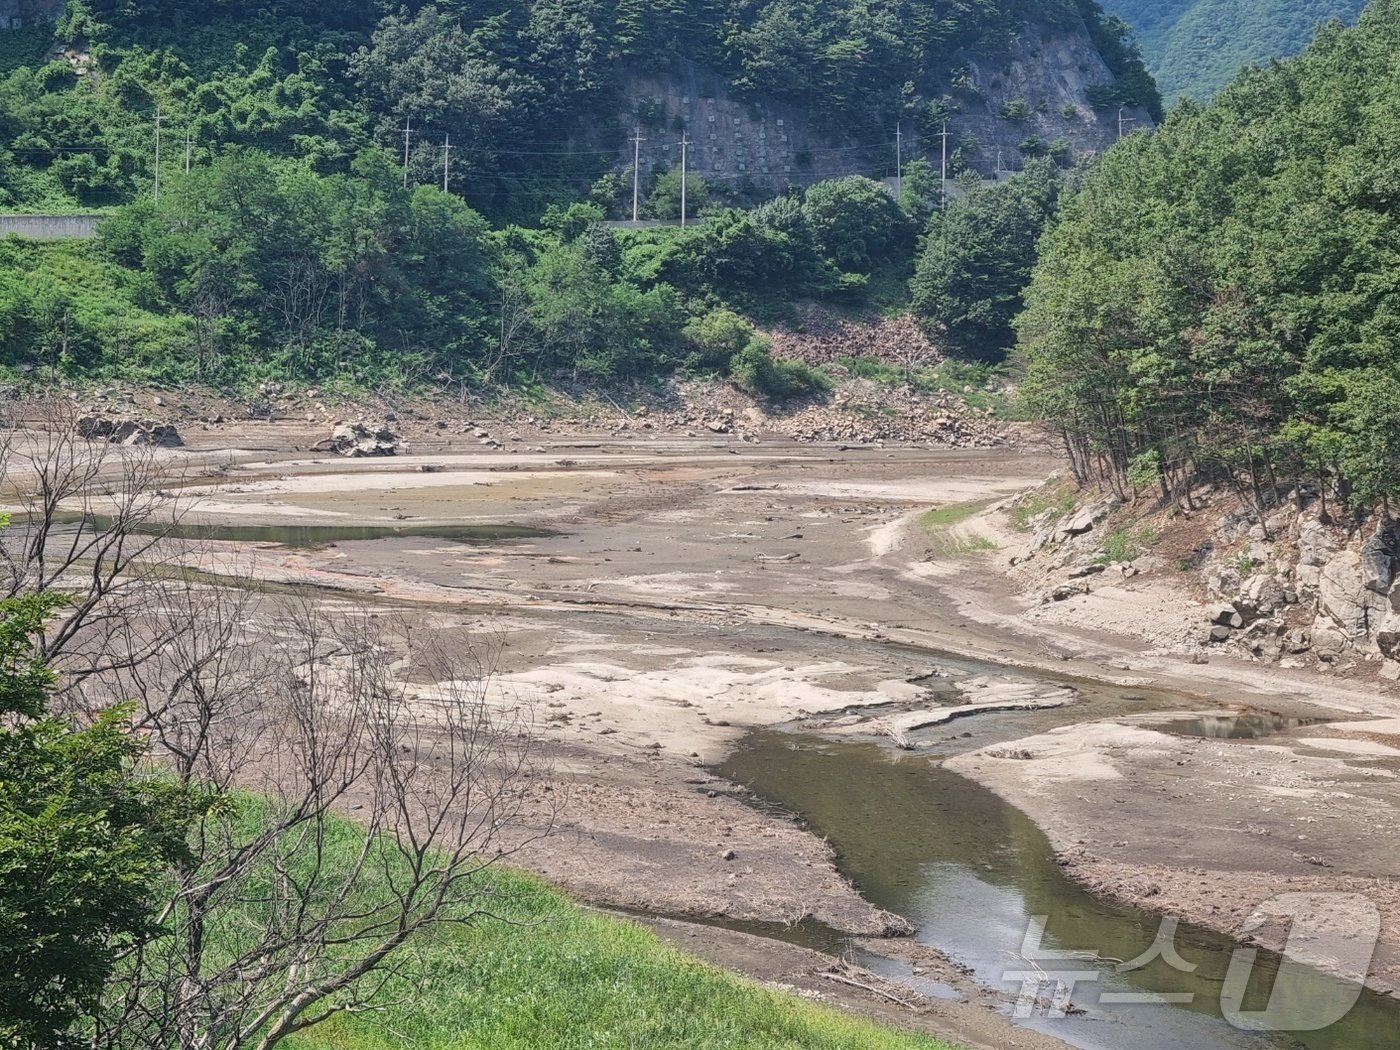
point(1298, 586)
point(15, 14)
point(1032, 98)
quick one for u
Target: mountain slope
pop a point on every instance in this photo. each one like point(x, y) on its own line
point(538, 100)
point(1194, 47)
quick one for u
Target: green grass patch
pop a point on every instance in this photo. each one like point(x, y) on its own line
point(975, 545)
point(943, 518)
point(1128, 543)
point(544, 973)
point(1057, 496)
point(939, 525)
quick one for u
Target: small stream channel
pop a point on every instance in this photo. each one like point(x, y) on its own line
point(971, 871)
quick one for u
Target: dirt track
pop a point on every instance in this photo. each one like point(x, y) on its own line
point(691, 589)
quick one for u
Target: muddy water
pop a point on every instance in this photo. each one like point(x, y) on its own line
point(971, 872)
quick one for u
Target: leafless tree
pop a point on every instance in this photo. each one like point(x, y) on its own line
point(295, 719)
point(276, 724)
point(89, 515)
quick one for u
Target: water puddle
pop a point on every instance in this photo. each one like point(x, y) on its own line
point(1242, 726)
point(310, 537)
point(972, 872)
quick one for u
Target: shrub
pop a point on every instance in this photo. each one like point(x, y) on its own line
point(756, 370)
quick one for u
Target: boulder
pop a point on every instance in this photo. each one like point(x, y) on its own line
point(1377, 563)
point(1262, 594)
point(1388, 636)
point(1224, 583)
point(1298, 640)
point(1264, 640)
point(357, 440)
point(1219, 633)
point(1308, 577)
point(1345, 598)
point(1315, 545)
point(1328, 643)
point(129, 432)
point(1085, 570)
point(1225, 616)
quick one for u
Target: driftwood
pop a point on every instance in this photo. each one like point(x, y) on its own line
point(832, 975)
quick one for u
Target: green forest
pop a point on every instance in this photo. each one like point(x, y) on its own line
point(1222, 298)
point(298, 233)
point(1195, 47)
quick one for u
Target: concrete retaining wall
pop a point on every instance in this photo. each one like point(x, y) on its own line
point(49, 227)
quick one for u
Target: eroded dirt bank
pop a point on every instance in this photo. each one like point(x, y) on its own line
point(683, 590)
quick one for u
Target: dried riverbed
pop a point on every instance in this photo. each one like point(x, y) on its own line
point(652, 602)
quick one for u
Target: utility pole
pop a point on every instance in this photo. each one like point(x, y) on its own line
point(158, 120)
point(188, 143)
point(1123, 120)
point(685, 172)
point(996, 175)
point(447, 148)
point(899, 160)
point(637, 141)
point(944, 172)
point(407, 127)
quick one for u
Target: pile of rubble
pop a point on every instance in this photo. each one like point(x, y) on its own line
point(130, 432)
point(858, 412)
point(822, 337)
point(358, 440)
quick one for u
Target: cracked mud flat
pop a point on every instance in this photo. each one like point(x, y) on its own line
point(691, 592)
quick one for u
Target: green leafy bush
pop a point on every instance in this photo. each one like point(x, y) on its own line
point(756, 370)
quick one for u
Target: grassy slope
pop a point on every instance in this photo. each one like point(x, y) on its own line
point(561, 977)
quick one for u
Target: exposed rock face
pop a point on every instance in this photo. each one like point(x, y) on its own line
point(17, 13)
point(1292, 590)
point(1263, 595)
point(1343, 595)
point(1377, 562)
point(1044, 80)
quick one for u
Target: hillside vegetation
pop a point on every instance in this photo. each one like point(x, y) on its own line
point(289, 239)
point(1222, 298)
point(528, 95)
point(1195, 47)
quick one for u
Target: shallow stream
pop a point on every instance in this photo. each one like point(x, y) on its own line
point(971, 872)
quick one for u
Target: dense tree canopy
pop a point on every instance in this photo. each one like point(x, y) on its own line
point(977, 261)
point(83, 841)
point(1194, 47)
point(527, 94)
point(1223, 296)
